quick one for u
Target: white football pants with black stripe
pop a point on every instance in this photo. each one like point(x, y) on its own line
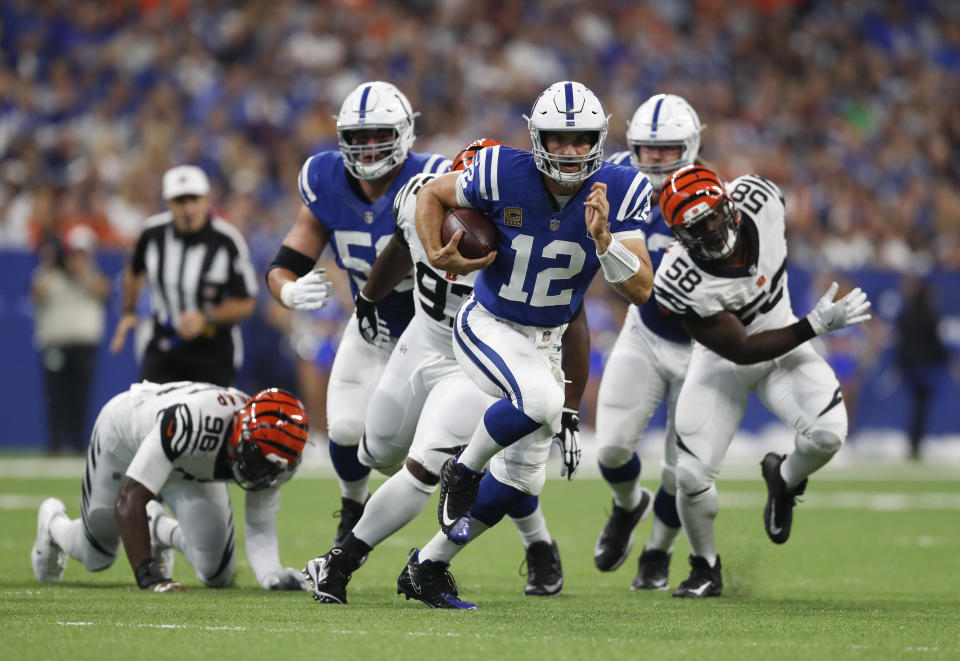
point(522, 363)
point(799, 387)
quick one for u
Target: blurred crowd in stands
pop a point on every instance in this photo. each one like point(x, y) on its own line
point(849, 106)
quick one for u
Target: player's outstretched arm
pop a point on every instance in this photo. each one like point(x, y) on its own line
point(260, 539)
point(291, 276)
point(727, 336)
point(130, 510)
point(433, 201)
point(625, 265)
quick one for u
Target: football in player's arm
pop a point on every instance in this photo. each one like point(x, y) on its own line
point(561, 215)
point(425, 408)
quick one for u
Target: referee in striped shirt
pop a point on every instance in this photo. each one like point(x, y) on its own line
point(202, 284)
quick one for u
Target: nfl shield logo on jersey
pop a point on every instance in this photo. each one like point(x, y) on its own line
point(368, 217)
point(546, 336)
point(554, 224)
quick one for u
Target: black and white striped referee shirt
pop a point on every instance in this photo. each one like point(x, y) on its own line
point(193, 271)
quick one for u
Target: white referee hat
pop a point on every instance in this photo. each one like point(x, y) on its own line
point(184, 180)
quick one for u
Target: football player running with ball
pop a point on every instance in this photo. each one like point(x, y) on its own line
point(647, 363)
point(347, 201)
point(425, 409)
point(181, 442)
point(726, 280)
point(561, 215)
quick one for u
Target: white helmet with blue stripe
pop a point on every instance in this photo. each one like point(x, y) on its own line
point(375, 105)
point(664, 120)
point(567, 106)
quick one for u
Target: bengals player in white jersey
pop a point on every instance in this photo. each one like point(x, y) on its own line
point(725, 278)
point(180, 443)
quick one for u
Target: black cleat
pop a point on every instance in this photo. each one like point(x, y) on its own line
point(544, 572)
point(350, 512)
point(704, 580)
point(778, 513)
point(458, 491)
point(431, 582)
point(330, 574)
point(653, 570)
point(616, 539)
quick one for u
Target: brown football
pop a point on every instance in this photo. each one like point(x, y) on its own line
point(479, 232)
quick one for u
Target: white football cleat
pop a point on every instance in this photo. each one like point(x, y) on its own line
point(163, 555)
point(47, 559)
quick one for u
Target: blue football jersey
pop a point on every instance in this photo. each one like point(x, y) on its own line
point(659, 237)
point(545, 258)
point(359, 231)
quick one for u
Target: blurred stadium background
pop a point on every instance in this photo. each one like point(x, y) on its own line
point(850, 107)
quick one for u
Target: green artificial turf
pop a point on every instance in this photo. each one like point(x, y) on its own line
point(871, 572)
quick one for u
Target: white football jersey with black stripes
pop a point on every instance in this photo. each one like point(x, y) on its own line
point(176, 429)
point(756, 292)
point(438, 294)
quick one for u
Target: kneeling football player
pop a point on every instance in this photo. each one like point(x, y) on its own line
point(179, 442)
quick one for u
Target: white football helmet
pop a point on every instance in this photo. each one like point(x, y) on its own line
point(567, 106)
point(664, 120)
point(375, 105)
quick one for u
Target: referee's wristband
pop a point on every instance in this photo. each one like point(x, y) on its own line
point(148, 573)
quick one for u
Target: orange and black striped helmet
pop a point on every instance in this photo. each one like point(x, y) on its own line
point(463, 160)
point(268, 437)
point(695, 205)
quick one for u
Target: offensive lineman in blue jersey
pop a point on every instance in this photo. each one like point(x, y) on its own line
point(663, 136)
point(561, 215)
point(348, 202)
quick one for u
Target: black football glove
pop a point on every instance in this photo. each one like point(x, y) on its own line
point(372, 328)
point(568, 438)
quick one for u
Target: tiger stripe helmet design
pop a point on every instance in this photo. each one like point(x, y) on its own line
point(695, 204)
point(468, 153)
point(268, 437)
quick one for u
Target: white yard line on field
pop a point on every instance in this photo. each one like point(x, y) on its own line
point(729, 499)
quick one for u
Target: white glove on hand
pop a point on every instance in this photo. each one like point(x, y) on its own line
point(309, 292)
point(568, 438)
point(285, 579)
point(830, 315)
point(373, 329)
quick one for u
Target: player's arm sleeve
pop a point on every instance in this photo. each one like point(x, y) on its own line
point(479, 185)
point(634, 208)
point(260, 533)
point(307, 182)
point(151, 466)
